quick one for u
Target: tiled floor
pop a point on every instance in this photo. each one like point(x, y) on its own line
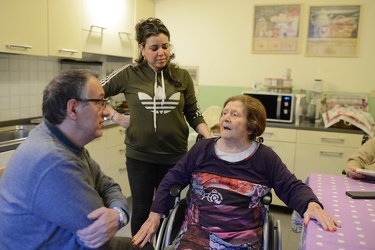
point(290, 239)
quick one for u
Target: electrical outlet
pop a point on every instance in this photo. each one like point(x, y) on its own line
point(373, 93)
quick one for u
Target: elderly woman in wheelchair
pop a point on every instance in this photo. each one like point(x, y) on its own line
point(228, 176)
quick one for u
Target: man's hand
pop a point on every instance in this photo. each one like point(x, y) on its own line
point(148, 230)
point(105, 225)
point(352, 173)
point(315, 211)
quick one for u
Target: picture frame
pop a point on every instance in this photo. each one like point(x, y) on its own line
point(277, 28)
point(333, 30)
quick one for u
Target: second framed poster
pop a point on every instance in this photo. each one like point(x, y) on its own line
point(333, 30)
point(276, 28)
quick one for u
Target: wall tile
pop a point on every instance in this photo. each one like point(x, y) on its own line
point(4, 77)
point(4, 115)
point(4, 63)
point(14, 64)
point(35, 111)
point(14, 76)
point(25, 113)
point(33, 101)
point(24, 76)
point(15, 114)
point(15, 102)
point(14, 89)
point(4, 90)
point(24, 65)
point(24, 88)
point(24, 102)
point(4, 103)
point(22, 82)
point(33, 65)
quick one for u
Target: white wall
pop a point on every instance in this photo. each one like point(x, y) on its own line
point(216, 35)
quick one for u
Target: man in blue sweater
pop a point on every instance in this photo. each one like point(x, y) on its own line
point(53, 195)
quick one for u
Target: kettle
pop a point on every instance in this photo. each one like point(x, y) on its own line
point(300, 109)
point(321, 21)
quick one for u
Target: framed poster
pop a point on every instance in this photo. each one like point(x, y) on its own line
point(333, 30)
point(276, 28)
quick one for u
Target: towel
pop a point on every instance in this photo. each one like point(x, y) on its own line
point(353, 115)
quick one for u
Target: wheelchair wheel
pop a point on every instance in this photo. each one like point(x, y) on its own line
point(274, 234)
point(271, 235)
point(174, 224)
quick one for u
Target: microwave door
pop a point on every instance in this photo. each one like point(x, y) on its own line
point(278, 107)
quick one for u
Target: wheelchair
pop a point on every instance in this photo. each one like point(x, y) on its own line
point(170, 226)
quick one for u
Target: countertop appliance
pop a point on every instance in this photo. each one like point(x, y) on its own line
point(279, 106)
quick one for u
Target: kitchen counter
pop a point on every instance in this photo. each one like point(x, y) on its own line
point(12, 145)
point(314, 127)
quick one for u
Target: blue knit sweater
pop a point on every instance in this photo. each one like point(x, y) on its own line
point(48, 189)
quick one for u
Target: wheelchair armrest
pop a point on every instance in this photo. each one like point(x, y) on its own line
point(176, 190)
point(267, 198)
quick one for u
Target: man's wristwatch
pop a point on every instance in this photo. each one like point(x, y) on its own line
point(122, 215)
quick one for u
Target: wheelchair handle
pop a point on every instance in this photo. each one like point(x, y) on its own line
point(176, 190)
point(267, 199)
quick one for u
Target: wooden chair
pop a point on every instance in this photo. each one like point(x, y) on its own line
point(1, 171)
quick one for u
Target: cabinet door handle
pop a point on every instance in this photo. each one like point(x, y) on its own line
point(269, 134)
point(121, 151)
point(68, 50)
point(124, 33)
point(121, 170)
point(333, 154)
point(17, 46)
point(333, 140)
point(98, 27)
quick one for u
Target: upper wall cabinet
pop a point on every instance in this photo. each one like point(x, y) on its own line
point(108, 27)
point(23, 27)
point(41, 27)
point(64, 25)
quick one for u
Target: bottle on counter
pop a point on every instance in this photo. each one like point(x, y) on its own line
point(312, 108)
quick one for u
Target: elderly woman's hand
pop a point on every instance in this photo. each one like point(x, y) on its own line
point(315, 211)
point(148, 230)
point(352, 173)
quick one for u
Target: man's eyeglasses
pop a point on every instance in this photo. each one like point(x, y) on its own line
point(103, 102)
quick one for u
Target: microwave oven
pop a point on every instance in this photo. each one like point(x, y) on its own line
point(279, 106)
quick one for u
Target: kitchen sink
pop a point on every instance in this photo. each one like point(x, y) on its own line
point(14, 133)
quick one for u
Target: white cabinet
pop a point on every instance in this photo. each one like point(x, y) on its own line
point(98, 148)
point(116, 161)
point(323, 152)
point(109, 151)
point(41, 27)
point(23, 27)
point(283, 142)
point(108, 27)
point(64, 28)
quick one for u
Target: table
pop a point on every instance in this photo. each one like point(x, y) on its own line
point(357, 216)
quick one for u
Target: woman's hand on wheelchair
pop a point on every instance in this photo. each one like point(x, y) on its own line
point(148, 230)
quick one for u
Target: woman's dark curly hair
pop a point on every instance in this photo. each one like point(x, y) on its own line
point(153, 27)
